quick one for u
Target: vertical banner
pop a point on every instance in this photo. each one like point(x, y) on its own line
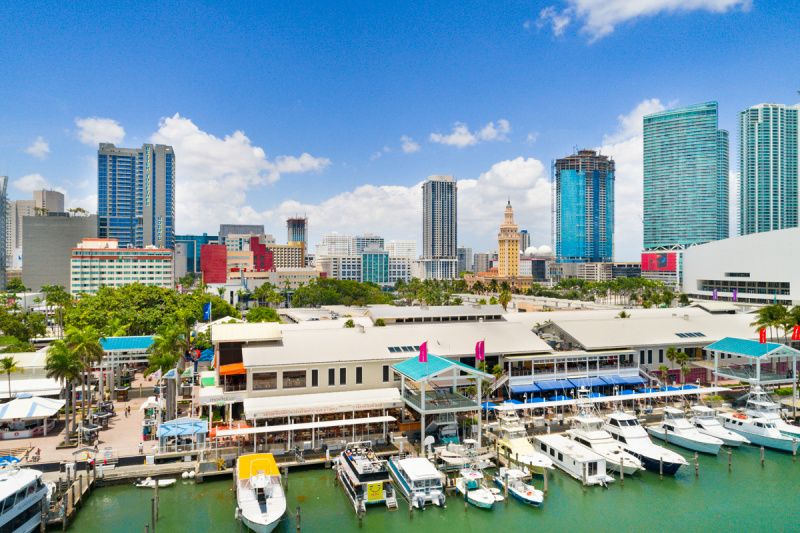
point(735, 295)
point(207, 312)
point(762, 336)
point(714, 295)
point(423, 352)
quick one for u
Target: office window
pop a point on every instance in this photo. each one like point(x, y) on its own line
point(331, 377)
point(641, 357)
point(649, 357)
point(342, 376)
point(315, 378)
point(265, 380)
point(385, 373)
point(294, 379)
point(661, 356)
point(359, 375)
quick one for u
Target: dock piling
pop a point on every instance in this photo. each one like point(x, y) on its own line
point(696, 465)
point(729, 459)
point(545, 480)
point(762, 456)
point(661, 468)
point(622, 470)
point(794, 450)
point(153, 514)
point(505, 487)
point(297, 519)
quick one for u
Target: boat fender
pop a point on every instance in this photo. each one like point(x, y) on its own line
point(237, 514)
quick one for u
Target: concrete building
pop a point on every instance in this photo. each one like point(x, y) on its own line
point(524, 240)
point(48, 201)
point(375, 266)
point(440, 227)
point(136, 195)
point(536, 268)
point(464, 255)
point(595, 271)
point(191, 245)
point(297, 230)
point(480, 262)
point(403, 248)
point(101, 262)
point(48, 242)
point(3, 229)
point(334, 244)
point(16, 211)
point(508, 245)
point(239, 229)
point(290, 255)
point(583, 208)
point(346, 267)
point(768, 167)
point(367, 240)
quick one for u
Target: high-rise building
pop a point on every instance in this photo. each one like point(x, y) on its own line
point(47, 246)
point(192, 245)
point(136, 195)
point(524, 240)
point(402, 248)
point(375, 265)
point(440, 227)
point(464, 256)
point(508, 245)
point(3, 232)
point(685, 177)
point(16, 211)
point(334, 244)
point(239, 229)
point(297, 230)
point(768, 168)
point(48, 201)
point(480, 262)
point(583, 207)
point(367, 240)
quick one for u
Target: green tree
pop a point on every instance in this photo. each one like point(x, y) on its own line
point(380, 323)
point(493, 300)
point(57, 299)
point(267, 294)
point(672, 355)
point(9, 366)
point(505, 298)
point(349, 323)
point(64, 366)
point(84, 343)
point(168, 345)
point(682, 359)
point(15, 286)
point(262, 314)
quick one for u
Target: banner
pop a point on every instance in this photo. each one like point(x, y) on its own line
point(735, 295)
point(762, 336)
point(423, 352)
point(207, 312)
point(714, 295)
point(796, 333)
point(480, 351)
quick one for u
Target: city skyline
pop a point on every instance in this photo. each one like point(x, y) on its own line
point(278, 144)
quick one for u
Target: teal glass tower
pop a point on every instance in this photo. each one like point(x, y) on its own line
point(768, 163)
point(685, 177)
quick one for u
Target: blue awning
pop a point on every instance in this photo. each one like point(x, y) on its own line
point(524, 389)
point(558, 398)
point(182, 427)
point(512, 401)
point(623, 380)
point(535, 400)
point(596, 395)
point(554, 384)
point(488, 405)
point(206, 355)
point(626, 392)
point(587, 382)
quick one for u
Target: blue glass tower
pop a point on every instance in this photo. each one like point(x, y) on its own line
point(136, 195)
point(584, 208)
point(375, 266)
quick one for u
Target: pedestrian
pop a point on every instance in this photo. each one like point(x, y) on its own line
point(141, 448)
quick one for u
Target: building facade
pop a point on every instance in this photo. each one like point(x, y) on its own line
point(16, 212)
point(102, 262)
point(584, 207)
point(464, 259)
point(402, 248)
point(685, 177)
point(3, 228)
point(193, 244)
point(48, 201)
point(440, 227)
point(367, 240)
point(48, 242)
point(508, 245)
point(297, 230)
point(480, 262)
point(768, 168)
point(136, 195)
point(524, 240)
point(375, 266)
point(239, 229)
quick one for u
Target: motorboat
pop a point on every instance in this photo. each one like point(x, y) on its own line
point(22, 491)
point(575, 459)
point(150, 483)
point(760, 405)
point(454, 456)
point(705, 420)
point(261, 502)
point(587, 429)
point(418, 480)
point(513, 441)
point(470, 484)
point(518, 486)
point(675, 428)
point(625, 429)
point(364, 477)
point(759, 431)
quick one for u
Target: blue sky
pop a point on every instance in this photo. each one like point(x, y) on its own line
point(287, 108)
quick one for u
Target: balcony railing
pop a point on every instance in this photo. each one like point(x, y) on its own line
point(528, 377)
point(439, 400)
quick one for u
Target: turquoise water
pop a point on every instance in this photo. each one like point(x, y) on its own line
point(750, 498)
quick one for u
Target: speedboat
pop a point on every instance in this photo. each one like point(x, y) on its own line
point(470, 485)
point(150, 483)
point(22, 491)
point(513, 442)
point(759, 405)
point(705, 420)
point(626, 429)
point(588, 430)
point(518, 486)
point(259, 494)
point(759, 431)
point(676, 429)
point(575, 459)
point(418, 480)
point(364, 477)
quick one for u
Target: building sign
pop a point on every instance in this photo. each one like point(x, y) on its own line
point(375, 491)
point(659, 262)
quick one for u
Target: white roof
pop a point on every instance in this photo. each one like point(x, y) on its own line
point(569, 447)
point(29, 408)
point(319, 424)
point(321, 403)
point(419, 468)
point(372, 344)
point(26, 360)
point(416, 311)
point(245, 332)
point(38, 386)
point(13, 479)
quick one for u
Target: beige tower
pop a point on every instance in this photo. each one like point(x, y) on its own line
point(508, 246)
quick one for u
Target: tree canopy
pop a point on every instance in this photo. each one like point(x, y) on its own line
point(325, 291)
point(262, 314)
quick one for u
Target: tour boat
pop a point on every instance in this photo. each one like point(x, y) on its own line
point(418, 480)
point(150, 483)
point(23, 494)
point(759, 405)
point(260, 499)
point(575, 459)
point(365, 477)
point(759, 431)
point(626, 429)
point(518, 486)
point(470, 484)
point(513, 442)
point(676, 429)
point(705, 420)
point(588, 430)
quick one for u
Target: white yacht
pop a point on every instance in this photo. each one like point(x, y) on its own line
point(759, 431)
point(364, 477)
point(418, 480)
point(575, 459)
point(705, 420)
point(23, 494)
point(676, 429)
point(588, 430)
point(513, 441)
point(471, 485)
point(518, 486)
point(760, 405)
point(259, 493)
point(626, 429)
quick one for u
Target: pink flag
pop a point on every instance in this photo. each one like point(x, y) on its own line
point(480, 351)
point(423, 352)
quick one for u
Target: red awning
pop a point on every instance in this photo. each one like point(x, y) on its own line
point(232, 369)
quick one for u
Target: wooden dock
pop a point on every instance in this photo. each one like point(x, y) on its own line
point(68, 497)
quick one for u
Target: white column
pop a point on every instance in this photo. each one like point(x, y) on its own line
point(480, 426)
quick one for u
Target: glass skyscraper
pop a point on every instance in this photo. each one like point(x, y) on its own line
point(685, 177)
point(584, 208)
point(768, 164)
point(136, 195)
point(439, 227)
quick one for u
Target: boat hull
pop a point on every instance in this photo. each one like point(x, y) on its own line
point(417, 499)
point(731, 439)
point(654, 465)
point(782, 444)
point(789, 430)
point(534, 498)
point(711, 448)
point(259, 527)
point(613, 465)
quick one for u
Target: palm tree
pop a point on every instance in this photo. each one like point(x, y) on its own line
point(683, 362)
point(85, 344)
point(504, 298)
point(63, 366)
point(9, 366)
point(166, 349)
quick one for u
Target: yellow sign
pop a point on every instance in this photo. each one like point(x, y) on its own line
point(375, 491)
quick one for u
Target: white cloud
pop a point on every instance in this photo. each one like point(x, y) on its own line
point(408, 145)
point(461, 136)
point(601, 17)
point(30, 183)
point(532, 137)
point(377, 155)
point(39, 148)
point(216, 174)
point(96, 130)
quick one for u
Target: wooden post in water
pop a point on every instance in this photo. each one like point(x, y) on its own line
point(153, 514)
point(156, 497)
point(410, 508)
point(63, 510)
point(545, 480)
point(696, 465)
point(516, 459)
point(762, 456)
point(794, 450)
point(505, 487)
point(729, 459)
point(286, 477)
point(297, 518)
point(622, 470)
point(661, 468)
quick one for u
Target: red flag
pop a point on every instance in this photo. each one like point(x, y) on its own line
point(480, 351)
point(423, 352)
point(762, 336)
point(796, 333)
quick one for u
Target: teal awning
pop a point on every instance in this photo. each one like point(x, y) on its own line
point(126, 344)
point(750, 348)
point(416, 371)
